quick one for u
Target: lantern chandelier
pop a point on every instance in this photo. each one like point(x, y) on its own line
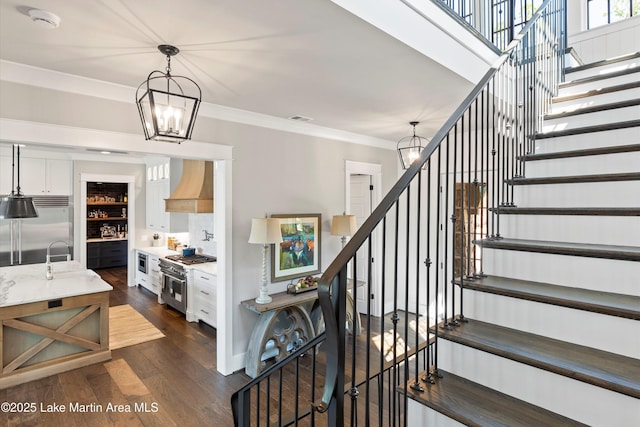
point(168, 104)
point(410, 147)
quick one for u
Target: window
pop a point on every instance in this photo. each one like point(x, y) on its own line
point(603, 12)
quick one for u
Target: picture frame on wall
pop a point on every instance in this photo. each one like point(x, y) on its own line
point(298, 255)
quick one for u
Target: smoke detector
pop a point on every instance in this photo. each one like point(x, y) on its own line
point(44, 18)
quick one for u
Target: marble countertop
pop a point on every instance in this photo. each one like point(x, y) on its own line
point(25, 284)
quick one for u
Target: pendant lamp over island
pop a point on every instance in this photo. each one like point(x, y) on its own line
point(16, 205)
point(168, 104)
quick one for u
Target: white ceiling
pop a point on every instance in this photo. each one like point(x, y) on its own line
point(275, 57)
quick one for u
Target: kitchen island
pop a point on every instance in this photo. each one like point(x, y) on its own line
point(51, 326)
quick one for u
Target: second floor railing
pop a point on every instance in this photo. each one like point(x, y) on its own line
point(426, 232)
point(498, 21)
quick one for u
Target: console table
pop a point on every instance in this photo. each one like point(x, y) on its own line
point(284, 325)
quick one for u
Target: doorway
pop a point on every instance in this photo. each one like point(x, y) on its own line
point(363, 192)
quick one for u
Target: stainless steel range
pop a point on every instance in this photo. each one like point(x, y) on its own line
point(174, 276)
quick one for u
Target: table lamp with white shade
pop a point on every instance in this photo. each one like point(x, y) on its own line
point(343, 225)
point(265, 231)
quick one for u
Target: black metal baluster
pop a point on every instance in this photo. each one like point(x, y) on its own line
point(428, 378)
point(381, 302)
point(395, 318)
point(416, 384)
point(446, 233)
point(438, 267)
point(353, 391)
point(367, 393)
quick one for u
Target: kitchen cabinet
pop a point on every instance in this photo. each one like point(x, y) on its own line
point(39, 177)
point(205, 297)
point(107, 253)
point(159, 187)
point(151, 279)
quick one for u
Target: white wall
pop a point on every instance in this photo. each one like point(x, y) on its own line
point(608, 41)
point(272, 171)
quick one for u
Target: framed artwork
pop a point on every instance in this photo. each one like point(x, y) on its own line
point(298, 255)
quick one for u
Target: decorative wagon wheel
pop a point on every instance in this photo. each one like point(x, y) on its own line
point(278, 334)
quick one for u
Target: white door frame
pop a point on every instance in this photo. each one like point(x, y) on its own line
point(375, 171)
point(130, 180)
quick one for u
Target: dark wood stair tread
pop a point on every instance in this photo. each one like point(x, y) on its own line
point(597, 367)
point(604, 177)
point(626, 306)
point(589, 129)
point(603, 62)
point(595, 92)
point(476, 405)
point(594, 109)
point(628, 253)
point(599, 77)
point(578, 211)
point(615, 149)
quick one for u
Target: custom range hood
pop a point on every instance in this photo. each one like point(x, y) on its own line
point(194, 193)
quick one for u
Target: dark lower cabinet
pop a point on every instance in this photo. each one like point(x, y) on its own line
point(106, 254)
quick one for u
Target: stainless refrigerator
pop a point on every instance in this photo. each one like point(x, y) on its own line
point(25, 241)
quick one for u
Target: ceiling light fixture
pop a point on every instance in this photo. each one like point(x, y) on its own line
point(44, 18)
point(16, 205)
point(168, 104)
point(410, 147)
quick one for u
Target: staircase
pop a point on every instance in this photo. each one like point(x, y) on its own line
point(508, 261)
point(551, 333)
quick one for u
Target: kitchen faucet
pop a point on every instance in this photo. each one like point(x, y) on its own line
point(49, 274)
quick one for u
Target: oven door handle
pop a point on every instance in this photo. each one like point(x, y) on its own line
point(172, 277)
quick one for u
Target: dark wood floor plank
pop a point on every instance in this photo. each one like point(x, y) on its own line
point(600, 368)
point(475, 405)
point(178, 371)
point(627, 306)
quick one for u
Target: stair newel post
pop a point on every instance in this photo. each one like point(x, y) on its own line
point(454, 219)
point(416, 384)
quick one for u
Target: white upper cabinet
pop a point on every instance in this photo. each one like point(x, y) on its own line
point(159, 186)
point(38, 177)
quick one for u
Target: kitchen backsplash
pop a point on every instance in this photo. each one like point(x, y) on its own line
point(198, 224)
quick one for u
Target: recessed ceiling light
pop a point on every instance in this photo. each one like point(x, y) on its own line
point(44, 18)
point(105, 152)
point(300, 118)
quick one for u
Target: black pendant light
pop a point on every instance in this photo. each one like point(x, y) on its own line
point(410, 147)
point(16, 205)
point(168, 104)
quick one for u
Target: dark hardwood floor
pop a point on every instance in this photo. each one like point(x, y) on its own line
point(173, 378)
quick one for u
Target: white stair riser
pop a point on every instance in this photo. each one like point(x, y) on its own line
point(615, 230)
point(616, 276)
point(421, 415)
point(589, 194)
point(570, 325)
point(590, 101)
point(590, 140)
point(592, 119)
point(599, 84)
point(583, 402)
point(585, 165)
point(604, 69)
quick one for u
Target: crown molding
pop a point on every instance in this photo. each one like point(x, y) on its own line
point(39, 77)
